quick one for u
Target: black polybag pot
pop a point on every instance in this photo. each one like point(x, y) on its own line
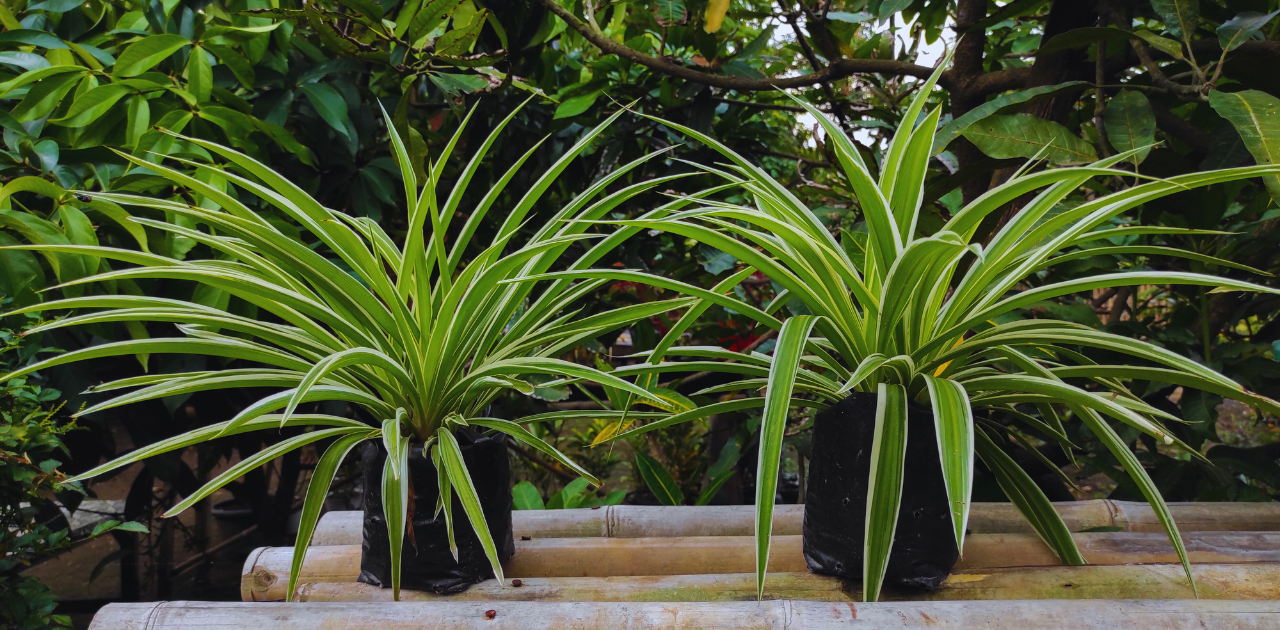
point(429, 566)
point(924, 543)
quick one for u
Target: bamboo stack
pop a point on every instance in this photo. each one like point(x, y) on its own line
point(645, 568)
point(642, 521)
point(266, 573)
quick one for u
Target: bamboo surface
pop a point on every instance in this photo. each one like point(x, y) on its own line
point(770, 615)
point(1152, 581)
point(266, 573)
point(642, 521)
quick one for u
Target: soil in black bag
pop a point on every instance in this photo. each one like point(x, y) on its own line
point(924, 543)
point(430, 565)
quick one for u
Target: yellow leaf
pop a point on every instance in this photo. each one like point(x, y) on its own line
point(715, 15)
point(610, 431)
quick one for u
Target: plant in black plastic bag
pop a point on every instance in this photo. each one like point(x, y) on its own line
point(916, 317)
point(410, 333)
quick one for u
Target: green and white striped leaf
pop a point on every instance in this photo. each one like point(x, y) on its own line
point(884, 488)
point(317, 493)
point(953, 421)
point(773, 425)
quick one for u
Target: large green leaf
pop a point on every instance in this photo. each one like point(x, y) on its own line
point(44, 97)
point(670, 12)
point(92, 105)
point(1256, 116)
point(145, 53)
point(658, 480)
point(1242, 28)
point(1130, 123)
point(525, 496)
point(199, 74)
point(1002, 104)
point(329, 104)
point(1180, 16)
point(20, 272)
point(1082, 37)
point(1026, 135)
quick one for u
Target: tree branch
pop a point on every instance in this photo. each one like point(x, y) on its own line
point(838, 69)
point(785, 108)
point(1181, 129)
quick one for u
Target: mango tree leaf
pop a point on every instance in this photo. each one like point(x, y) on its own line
point(670, 12)
point(1025, 135)
point(28, 37)
point(25, 60)
point(55, 6)
point(459, 41)
point(371, 10)
point(1256, 115)
point(1242, 28)
point(890, 7)
point(145, 53)
point(139, 119)
point(44, 97)
point(659, 480)
point(199, 74)
point(571, 107)
point(478, 60)
point(1081, 37)
point(1164, 44)
point(1003, 104)
point(19, 270)
point(1180, 16)
point(852, 18)
point(525, 496)
point(431, 16)
point(238, 65)
point(1130, 123)
point(456, 85)
point(329, 104)
point(87, 52)
point(93, 105)
point(47, 151)
point(37, 75)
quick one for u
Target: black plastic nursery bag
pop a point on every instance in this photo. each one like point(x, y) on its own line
point(924, 544)
point(430, 566)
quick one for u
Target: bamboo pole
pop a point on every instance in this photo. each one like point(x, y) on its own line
point(1259, 581)
point(642, 521)
point(779, 615)
point(266, 572)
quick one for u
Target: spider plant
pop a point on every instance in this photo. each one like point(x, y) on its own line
point(914, 316)
point(416, 337)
